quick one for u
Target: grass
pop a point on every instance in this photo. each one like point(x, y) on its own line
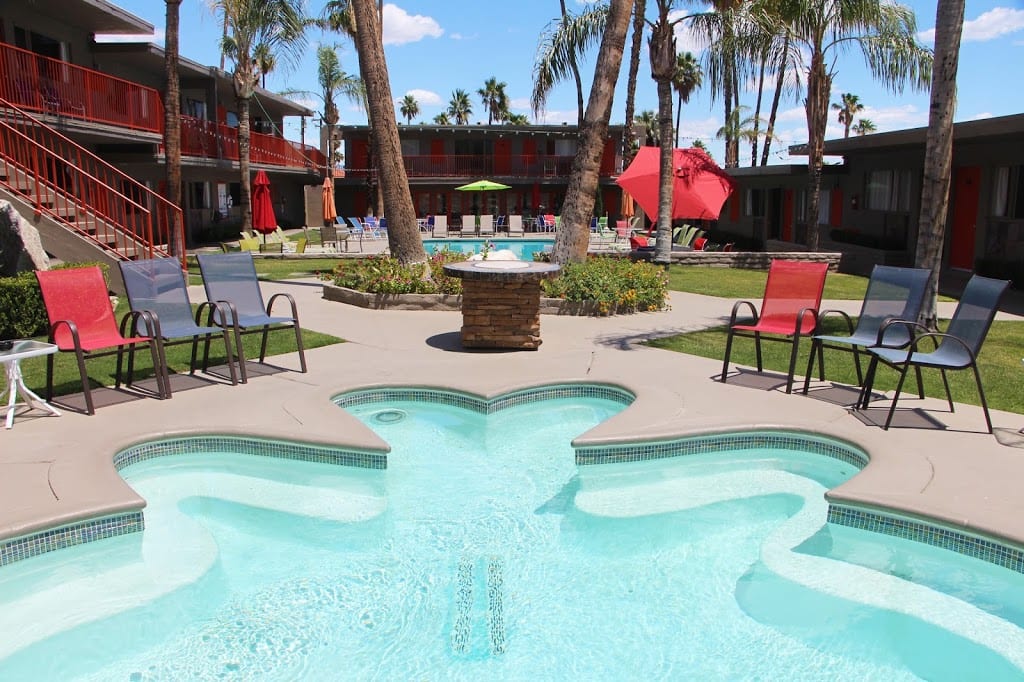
point(101, 370)
point(274, 269)
point(999, 363)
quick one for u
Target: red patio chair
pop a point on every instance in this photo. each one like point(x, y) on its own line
point(789, 310)
point(82, 321)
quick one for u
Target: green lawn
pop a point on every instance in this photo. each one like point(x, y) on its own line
point(275, 268)
point(999, 363)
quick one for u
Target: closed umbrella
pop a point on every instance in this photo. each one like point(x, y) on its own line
point(330, 212)
point(263, 219)
point(699, 186)
point(627, 208)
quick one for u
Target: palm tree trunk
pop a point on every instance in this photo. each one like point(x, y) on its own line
point(679, 116)
point(245, 188)
point(780, 80)
point(819, 88)
point(573, 237)
point(757, 111)
point(639, 8)
point(403, 234)
point(663, 245)
point(172, 121)
point(938, 155)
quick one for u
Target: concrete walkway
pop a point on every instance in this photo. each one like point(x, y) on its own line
point(931, 463)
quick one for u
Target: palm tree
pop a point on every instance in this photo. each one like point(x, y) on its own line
point(410, 108)
point(647, 122)
point(848, 108)
point(494, 99)
point(516, 119)
point(172, 118)
point(699, 144)
point(278, 24)
point(572, 240)
point(404, 239)
point(639, 10)
point(459, 107)
point(560, 44)
point(265, 62)
point(664, 60)
point(442, 119)
point(686, 79)
point(885, 33)
point(938, 155)
point(864, 126)
point(739, 128)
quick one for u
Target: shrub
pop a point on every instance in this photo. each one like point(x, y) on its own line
point(616, 285)
point(22, 312)
point(385, 275)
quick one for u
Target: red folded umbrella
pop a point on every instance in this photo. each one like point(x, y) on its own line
point(699, 187)
point(263, 218)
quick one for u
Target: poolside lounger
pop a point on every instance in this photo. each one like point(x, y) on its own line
point(468, 226)
point(515, 226)
point(487, 225)
point(440, 230)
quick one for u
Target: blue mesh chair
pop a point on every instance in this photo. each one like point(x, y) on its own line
point(230, 281)
point(157, 286)
point(957, 348)
point(893, 293)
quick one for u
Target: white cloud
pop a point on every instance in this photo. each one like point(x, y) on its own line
point(156, 37)
point(554, 117)
point(979, 117)
point(426, 97)
point(989, 25)
point(400, 27)
point(457, 36)
point(687, 40)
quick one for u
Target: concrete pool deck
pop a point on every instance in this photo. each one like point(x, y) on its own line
point(932, 464)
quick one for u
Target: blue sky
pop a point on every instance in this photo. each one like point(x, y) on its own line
point(433, 48)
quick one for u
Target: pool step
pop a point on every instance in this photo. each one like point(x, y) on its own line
point(492, 570)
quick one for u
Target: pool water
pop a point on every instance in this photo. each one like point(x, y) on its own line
point(483, 552)
point(523, 248)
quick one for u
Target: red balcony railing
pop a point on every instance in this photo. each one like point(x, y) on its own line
point(475, 165)
point(211, 140)
point(50, 86)
point(83, 192)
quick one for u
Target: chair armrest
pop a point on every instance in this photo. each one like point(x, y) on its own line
point(825, 313)
point(936, 337)
point(911, 326)
point(813, 312)
point(291, 302)
point(736, 307)
point(149, 320)
point(72, 328)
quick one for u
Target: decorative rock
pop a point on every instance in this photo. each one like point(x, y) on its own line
point(20, 247)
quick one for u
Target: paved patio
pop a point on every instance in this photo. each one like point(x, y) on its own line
point(931, 463)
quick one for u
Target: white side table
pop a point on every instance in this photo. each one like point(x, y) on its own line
point(11, 359)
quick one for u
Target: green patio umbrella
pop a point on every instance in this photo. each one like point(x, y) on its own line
point(482, 186)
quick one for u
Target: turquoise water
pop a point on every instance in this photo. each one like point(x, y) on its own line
point(523, 248)
point(484, 553)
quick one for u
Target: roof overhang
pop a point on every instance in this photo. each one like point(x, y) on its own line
point(94, 16)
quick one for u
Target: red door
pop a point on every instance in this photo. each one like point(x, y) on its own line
point(966, 189)
point(502, 157)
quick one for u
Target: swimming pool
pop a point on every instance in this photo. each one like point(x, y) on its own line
point(523, 248)
point(484, 552)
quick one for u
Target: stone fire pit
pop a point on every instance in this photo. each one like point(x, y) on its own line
point(501, 302)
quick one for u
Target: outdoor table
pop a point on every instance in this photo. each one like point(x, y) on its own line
point(11, 359)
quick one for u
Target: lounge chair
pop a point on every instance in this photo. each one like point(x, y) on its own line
point(487, 225)
point(440, 229)
point(515, 226)
point(230, 281)
point(789, 310)
point(955, 349)
point(272, 247)
point(468, 226)
point(892, 293)
point(300, 244)
point(157, 287)
point(82, 321)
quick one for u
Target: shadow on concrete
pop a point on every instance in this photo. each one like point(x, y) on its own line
point(1009, 437)
point(452, 342)
point(836, 394)
point(904, 418)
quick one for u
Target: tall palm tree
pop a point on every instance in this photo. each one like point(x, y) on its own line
point(820, 29)
point(172, 118)
point(639, 10)
point(864, 126)
point(278, 24)
point(739, 127)
point(848, 108)
point(494, 99)
point(573, 238)
point(459, 107)
point(647, 122)
point(404, 239)
point(265, 62)
point(663, 57)
point(442, 119)
point(516, 119)
point(685, 81)
point(410, 108)
point(560, 44)
point(938, 155)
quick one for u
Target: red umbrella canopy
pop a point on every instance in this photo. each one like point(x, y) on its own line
point(699, 187)
point(263, 218)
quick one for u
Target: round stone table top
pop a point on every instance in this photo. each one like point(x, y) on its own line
point(502, 270)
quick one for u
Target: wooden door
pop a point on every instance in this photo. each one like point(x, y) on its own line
point(966, 191)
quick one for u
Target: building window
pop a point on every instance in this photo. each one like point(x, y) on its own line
point(888, 190)
point(753, 204)
point(1008, 192)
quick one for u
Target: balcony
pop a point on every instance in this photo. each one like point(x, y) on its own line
point(211, 140)
point(526, 166)
point(50, 86)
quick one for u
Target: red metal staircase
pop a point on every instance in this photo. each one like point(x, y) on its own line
point(82, 192)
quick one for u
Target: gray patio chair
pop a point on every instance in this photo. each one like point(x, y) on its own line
point(230, 280)
point(892, 293)
point(957, 348)
point(157, 286)
point(515, 226)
